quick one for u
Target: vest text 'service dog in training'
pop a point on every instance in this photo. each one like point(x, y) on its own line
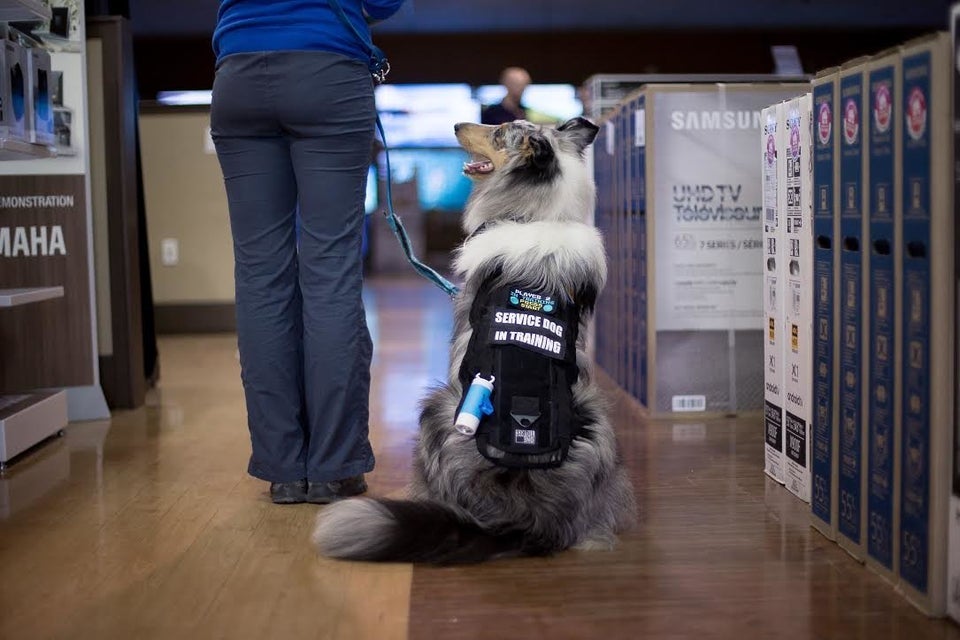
point(516, 455)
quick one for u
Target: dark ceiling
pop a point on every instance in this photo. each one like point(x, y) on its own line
point(196, 17)
point(565, 40)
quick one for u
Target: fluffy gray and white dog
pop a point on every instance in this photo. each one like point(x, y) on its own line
point(527, 222)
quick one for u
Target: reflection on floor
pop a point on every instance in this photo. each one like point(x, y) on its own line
point(148, 527)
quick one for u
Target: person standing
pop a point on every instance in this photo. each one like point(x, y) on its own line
point(292, 119)
point(515, 80)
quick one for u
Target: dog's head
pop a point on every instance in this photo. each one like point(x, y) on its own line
point(526, 172)
point(522, 148)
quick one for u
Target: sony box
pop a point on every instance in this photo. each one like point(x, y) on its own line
point(772, 153)
point(796, 183)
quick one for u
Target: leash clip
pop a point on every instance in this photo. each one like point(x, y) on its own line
point(381, 69)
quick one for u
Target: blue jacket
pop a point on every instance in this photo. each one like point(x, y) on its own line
point(295, 25)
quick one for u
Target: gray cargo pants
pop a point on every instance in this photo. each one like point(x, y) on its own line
point(293, 132)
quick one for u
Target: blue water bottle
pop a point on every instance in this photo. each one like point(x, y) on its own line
point(475, 405)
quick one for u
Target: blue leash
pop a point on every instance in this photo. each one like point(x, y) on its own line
point(397, 227)
point(379, 68)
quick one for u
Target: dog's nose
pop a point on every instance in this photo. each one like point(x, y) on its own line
point(456, 127)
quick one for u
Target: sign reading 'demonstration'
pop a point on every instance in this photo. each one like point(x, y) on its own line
point(43, 243)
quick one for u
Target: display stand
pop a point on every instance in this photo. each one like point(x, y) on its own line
point(17, 297)
point(24, 10)
point(48, 340)
point(30, 418)
point(115, 192)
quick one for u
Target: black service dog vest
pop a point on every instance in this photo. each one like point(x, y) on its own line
point(528, 341)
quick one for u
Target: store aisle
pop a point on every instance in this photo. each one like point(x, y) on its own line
point(148, 527)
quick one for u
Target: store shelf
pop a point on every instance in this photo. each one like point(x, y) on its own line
point(17, 297)
point(24, 11)
point(11, 149)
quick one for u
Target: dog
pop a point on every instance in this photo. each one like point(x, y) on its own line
point(528, 236)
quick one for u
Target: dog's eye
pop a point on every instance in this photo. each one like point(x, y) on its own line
point(498, 138)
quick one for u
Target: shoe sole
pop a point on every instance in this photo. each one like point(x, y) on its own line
point(331, 499)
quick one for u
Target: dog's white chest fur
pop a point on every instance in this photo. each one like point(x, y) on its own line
point(560, 254)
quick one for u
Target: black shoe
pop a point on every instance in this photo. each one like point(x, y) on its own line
point(327, 492)
point(288, 492)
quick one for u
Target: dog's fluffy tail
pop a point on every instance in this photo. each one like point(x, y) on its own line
point(407, 531)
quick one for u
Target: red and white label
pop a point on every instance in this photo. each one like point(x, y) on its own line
point(882, 108)
point(916, 113)
point(851, 122)
point(824, 123)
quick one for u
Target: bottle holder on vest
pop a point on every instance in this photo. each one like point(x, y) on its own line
point(527, 339)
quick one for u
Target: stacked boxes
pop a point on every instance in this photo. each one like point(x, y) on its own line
point(953, 513)
point(797, 187)
point(825, 448)
point(853, 321)
point(883, 387)
point(772, 157)
point(850, 220)
point(637, 112)
point(624, 202)
point(604, 155)
point(787, 150)
point(927, 314)
point(606, 92)
point(884, 303)
point(695, 246)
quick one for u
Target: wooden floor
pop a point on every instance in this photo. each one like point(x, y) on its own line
point(148, 527)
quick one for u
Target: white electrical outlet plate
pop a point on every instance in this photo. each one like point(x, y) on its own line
point(170, 252)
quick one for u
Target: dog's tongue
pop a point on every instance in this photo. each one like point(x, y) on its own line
point(482, 166)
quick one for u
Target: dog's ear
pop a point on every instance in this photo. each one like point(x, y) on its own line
point(542, 155)
point(579, 131)
point(539, 159)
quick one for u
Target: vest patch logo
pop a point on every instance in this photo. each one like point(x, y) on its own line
point(532, 301)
